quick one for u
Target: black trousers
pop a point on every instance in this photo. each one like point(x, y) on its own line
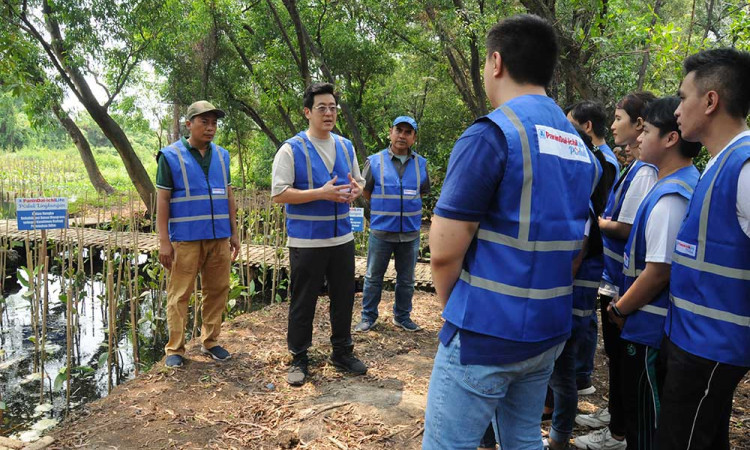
point(697, 401)
point(614, 347)
point(642, 378)
point(309, 267)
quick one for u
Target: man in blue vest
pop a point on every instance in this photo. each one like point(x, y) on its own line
point(316, 175)
point(196, 220)
point(509, 222)
point(647, 258)
point(707, 344)
point(591, 117)
point(395, 181)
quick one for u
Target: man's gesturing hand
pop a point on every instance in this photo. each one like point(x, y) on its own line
point(356, 189)
point(330, 191)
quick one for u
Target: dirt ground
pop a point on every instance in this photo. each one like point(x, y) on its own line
point(246, 404)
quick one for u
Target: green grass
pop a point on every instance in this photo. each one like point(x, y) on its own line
point(60, 173)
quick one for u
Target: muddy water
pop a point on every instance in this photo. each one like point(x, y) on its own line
point(25, 415)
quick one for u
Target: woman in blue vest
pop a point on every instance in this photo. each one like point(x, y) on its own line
point(707, 349)
point(615, 224)
point(642, 306)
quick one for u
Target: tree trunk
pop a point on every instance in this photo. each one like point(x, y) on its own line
point(109, 127)
point(573, 61)
point(468, 90)
point(95, 176)
point(647, 53)
point(133, 165)
point(174, 135)
point(355, 135)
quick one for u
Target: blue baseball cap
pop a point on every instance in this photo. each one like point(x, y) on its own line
point(405, 119)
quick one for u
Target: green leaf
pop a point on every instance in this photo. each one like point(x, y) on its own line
point(3, 406)
point(60, 379)
point(103, 359)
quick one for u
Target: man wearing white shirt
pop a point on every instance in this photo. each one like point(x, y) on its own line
point(642, 306)
point(316, 175)
point(707, 345)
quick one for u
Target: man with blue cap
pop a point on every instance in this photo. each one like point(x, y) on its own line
point(395, 181)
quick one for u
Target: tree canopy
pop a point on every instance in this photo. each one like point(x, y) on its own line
point(254, 58)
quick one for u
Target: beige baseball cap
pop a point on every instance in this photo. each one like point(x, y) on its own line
point(202, 107)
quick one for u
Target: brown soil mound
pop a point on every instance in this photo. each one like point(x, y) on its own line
point(246, 403)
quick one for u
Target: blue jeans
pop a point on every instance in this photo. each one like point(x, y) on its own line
point(378, 254)
point(586, 350)
point(463, 399)
point(563, 383)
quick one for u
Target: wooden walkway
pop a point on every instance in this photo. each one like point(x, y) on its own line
point(254, 255)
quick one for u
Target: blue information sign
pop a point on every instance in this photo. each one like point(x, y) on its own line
point(42, 213)
point(357, 218)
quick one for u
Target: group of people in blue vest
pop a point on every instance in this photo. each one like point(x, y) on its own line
point(535, 224)
point(522, 251)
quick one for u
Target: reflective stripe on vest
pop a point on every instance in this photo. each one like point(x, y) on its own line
point(392, 209)
point(586, 284)
point(613, 248)
point(609, 155)
point(709, 315)
point(528, 298)
point(583, 312)
point(308, 220)
point(632, 270)
point(646, 325)
point(196, 211)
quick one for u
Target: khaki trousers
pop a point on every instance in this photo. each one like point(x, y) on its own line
point(212, 259)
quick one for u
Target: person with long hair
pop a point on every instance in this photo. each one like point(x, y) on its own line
point(615, 225)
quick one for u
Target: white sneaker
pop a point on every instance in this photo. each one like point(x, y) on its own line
point(587, 390)
point(600, 440)
point(597, 420)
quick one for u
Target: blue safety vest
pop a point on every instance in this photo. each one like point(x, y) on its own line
point(199, 206)
point(609, 155)
point(396, 203)
point(709, 310)
point(613, 248)
point(516, 282)
point(319, 219)
point(646, 325)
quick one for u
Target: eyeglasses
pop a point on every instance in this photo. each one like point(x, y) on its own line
point(322, 109)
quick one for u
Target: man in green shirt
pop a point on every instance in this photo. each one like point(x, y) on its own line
point(196, 220)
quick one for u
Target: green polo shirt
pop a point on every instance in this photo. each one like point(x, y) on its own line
point(164, 173)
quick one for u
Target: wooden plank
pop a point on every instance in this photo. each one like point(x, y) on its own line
point(252, 255)
point(41, 444)
point(11, 443)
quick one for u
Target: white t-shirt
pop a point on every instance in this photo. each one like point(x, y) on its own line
point(743, 186)
point(662, 227)
point(282, 178)
point(643, 181)
point(282, 171)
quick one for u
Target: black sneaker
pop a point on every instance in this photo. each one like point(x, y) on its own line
point(347, 362)
point(297, 372)
point(363, 326)
point(407, 325)
point(174, 361)
point(217, 352)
